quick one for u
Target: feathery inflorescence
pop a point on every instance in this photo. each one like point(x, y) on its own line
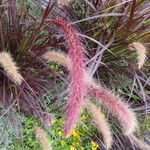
point(63, 2)
point(62, 58)
point(57, 57)
point(140, 144)
point(77, 86)
point(101, 123)
point(40, 134)
point(126, 117)
point(141, 51)
point(10, 67)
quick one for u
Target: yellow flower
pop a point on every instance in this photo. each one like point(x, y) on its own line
point(72, 148)
point(61, 120)
point(75, 144)
point(94, 145)
point(60, 133)
point(94, 148)
point(75, 134)
point(62, 142)
point(84, 117)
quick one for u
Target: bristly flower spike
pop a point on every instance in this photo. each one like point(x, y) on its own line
point(141, 51)
point(77, 86)
point(101, 123)
point(138, 143)
point(10, 67)
point(63, 2)
point(114, 104)
point(41, 135)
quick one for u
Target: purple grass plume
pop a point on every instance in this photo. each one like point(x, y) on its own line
point(77, 86)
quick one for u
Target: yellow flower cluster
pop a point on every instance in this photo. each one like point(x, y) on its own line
point(60, 133)
point(84, 117)
point(61, 120)
point(72, 148)
point(94, 145)
point(62, 142)
point(75, 134)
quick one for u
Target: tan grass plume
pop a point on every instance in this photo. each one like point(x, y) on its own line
point(62, 58)
point(101, 123)
point(57, 57)
point(8, 64)
point(138, 143)
point(63, 2)
point(141, 51)
point(41, 135)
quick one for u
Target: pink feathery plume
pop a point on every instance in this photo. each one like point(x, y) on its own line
point(116, 106)
point(77, 74)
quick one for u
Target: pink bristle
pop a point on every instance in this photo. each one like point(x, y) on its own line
point(77, 74)
point(116, 106)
